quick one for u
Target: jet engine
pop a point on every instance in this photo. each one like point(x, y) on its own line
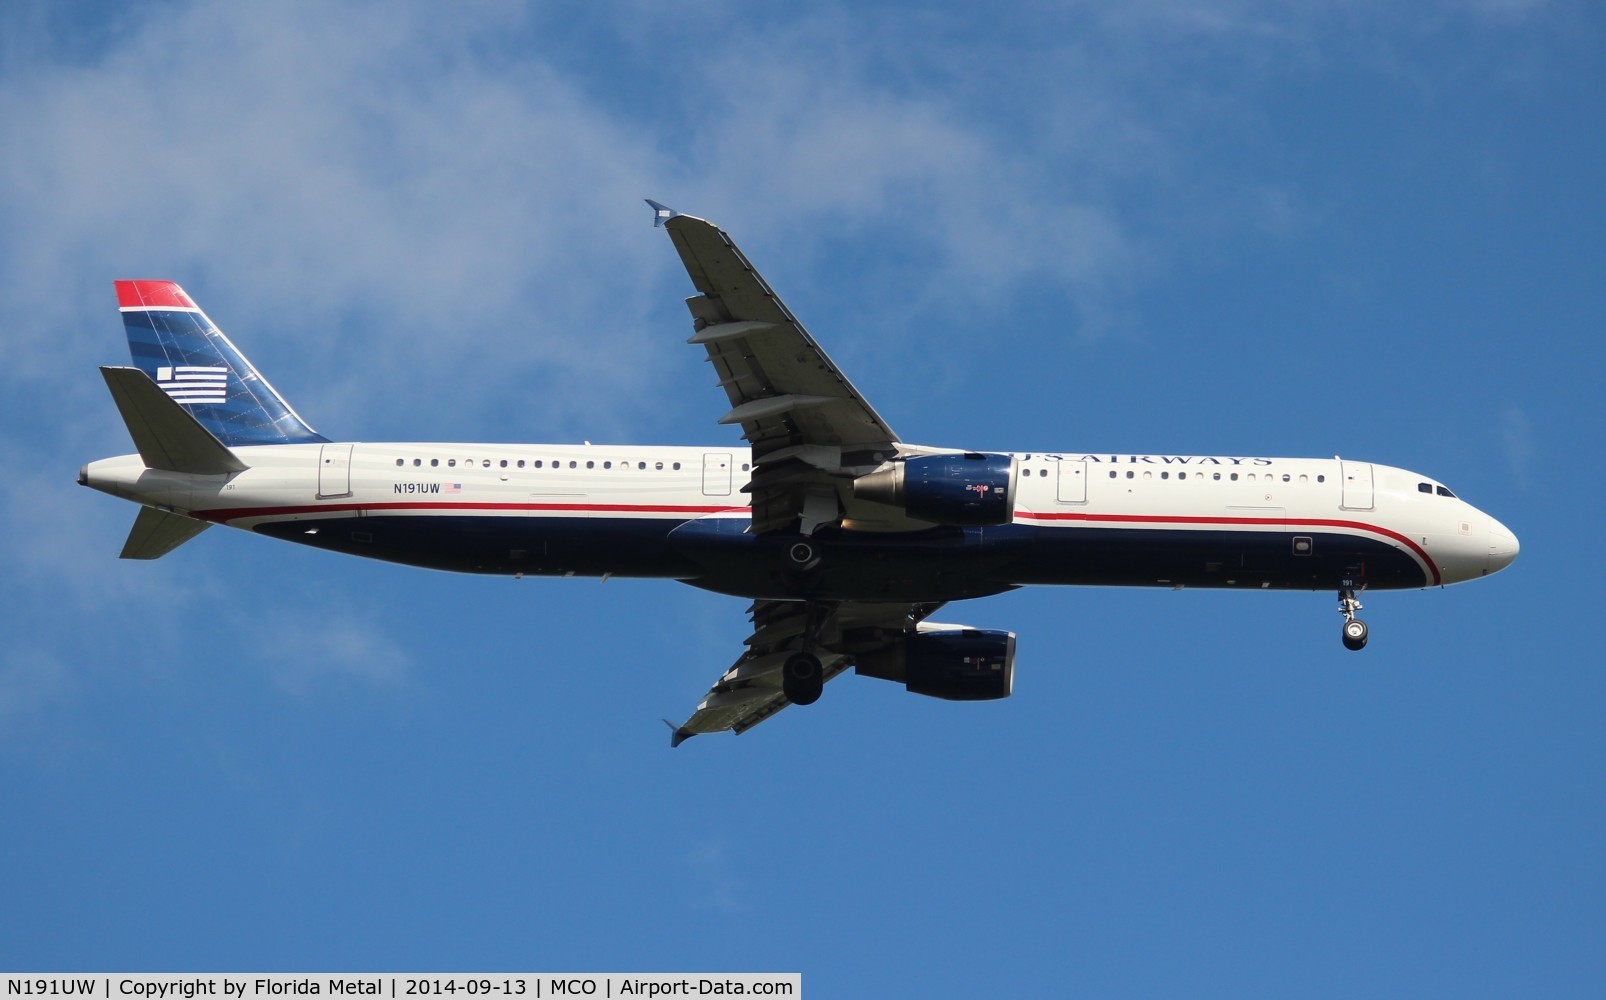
point(965, 489)
point(949, 662)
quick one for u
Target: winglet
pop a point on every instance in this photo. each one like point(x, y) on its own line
point(677, 735)
point(660, 213)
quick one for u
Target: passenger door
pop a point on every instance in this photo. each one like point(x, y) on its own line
point(334, 471)
point(1357, 486)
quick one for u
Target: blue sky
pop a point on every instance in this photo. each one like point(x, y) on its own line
point(1221, 228)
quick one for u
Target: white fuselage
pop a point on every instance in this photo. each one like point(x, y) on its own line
point(592, 489)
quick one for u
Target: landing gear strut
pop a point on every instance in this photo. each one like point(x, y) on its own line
point(802, 675)
point(1355, 631)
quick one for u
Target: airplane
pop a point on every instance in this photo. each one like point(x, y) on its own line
point(845, 538)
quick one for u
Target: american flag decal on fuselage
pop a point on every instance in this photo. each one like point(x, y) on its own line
point(194, 384)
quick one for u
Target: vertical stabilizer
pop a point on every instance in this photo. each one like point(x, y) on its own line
point(190, 359)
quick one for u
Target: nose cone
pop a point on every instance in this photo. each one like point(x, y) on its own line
point(1503, 547)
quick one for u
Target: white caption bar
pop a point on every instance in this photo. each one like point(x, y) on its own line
point(409, 986)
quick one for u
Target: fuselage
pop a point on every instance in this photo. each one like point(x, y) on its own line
point(681, 513)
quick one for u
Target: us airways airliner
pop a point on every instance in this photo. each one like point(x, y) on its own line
point(845, 538)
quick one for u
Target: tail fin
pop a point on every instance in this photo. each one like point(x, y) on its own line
point(174, 343)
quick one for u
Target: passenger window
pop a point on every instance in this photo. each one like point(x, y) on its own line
point(643, 465)
point(434, 463)
point(1148, 475)
point(399, 461)
point(504, 463)
point(417, 462)
point(1165, 475)
point(607, 465)
point(1182, 475)
point(1112, 473)
point(1235, 477)
point(573, 464)
point(1215, 475)
point(744, 466)
point(658, 466)
point(1304, 478)
point(677, 466)
point(451, 463)
point(1130, 474)
point(487, 463)
point(1285, 477)
point(1321, 479)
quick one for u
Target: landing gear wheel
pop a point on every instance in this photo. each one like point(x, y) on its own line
point(803, 554)
point(1355, 633)
point(802, 678)
point(1348, 604)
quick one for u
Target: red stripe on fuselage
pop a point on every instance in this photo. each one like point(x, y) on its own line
point(225, 515)
point(1302, 522)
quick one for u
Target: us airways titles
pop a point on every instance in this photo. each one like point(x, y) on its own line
point(1158, 459)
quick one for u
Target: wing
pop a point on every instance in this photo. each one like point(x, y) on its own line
point(810, 430)
point(750, 691)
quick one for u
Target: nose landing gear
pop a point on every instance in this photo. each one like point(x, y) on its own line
point(1355, 631)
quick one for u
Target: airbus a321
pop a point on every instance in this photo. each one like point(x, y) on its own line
point(845, 537)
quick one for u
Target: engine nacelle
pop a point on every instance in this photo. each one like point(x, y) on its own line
point(967, 489)
point(961, 664)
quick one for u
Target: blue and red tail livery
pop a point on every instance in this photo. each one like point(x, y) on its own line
point(184, 353)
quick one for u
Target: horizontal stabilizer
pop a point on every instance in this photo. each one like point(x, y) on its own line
point(157, 532)
point(165, 435)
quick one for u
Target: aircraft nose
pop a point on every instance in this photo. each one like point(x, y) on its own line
point(1503, 546)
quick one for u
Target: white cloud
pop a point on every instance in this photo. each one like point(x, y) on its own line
point(367, 177)
point(391, 213)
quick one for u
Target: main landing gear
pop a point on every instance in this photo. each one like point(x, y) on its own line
point(1355, 630)
point(802, 678)
point(802, 675)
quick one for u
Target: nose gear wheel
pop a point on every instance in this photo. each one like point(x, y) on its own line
point(1355, 631)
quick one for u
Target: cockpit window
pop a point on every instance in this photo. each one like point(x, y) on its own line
point(1424, 487)
point(1445, 492)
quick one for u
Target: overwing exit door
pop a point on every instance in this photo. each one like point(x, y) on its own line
point(716, 474)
